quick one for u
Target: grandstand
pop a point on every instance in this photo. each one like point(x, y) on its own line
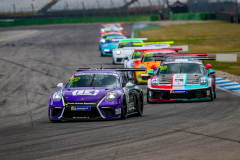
point(16, 6)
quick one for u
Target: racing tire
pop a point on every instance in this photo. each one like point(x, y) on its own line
point(113, 62)
point(102, 54)
point(55, 121)
point(211, 97)
point(124, 110)
point(140, 105)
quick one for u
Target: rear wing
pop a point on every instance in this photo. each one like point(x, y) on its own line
point(143, 39)
point(113, 32)
point(164, 58)
point(141, 44)
point(113, 69)
point(182, 55)
point(156, 48)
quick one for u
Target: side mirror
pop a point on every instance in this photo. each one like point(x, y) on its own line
point(151, 72)
point(153, 67)
point(129, 84)
point(113, 47)
point(60, 85)
point(125, 58)
point(208, 66)
point(135, 61)
point(211, 71)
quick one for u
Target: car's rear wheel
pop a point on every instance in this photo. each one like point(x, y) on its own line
point(124, 110)
point(140, 107)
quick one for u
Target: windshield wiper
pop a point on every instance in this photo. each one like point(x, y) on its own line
point(181, 68)
point(92, 80)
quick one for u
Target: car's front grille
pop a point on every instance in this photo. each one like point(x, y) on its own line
point(81, 114)
point(119, 59)
point(108, 111)
point(56, 111)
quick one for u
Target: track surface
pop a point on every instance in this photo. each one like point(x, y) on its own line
point(30, 69)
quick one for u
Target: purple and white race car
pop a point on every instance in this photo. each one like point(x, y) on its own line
point(96, 94)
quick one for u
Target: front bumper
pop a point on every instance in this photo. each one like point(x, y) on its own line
point(97, 112)
point(106, 52)
point(169, 96)
point(142, 77)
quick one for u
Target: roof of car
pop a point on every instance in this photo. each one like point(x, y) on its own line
point(99, 71)
point(131, 40)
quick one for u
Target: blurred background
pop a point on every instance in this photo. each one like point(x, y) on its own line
point(162, 9)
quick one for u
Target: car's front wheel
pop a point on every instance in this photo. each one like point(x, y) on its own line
point(124, 109)
point(140, 107)
point(211, 97)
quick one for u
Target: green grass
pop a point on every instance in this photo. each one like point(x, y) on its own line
point(229, 67)
point(213, 37)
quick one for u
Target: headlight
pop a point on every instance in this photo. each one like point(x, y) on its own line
point(118, 52)
point(132, 64)
point(111, 96)
point(103, 40)
point(105, 45)
point(202, 80)
point(142, 66)
point(102, 30)
point(121, 28)
point(155, 81)
point(57, 96)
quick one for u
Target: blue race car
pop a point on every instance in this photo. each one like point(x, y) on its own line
point(96, 94)
point(108, 44)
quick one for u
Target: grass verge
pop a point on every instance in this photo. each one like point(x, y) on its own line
point(213, 37)
point(229, 67)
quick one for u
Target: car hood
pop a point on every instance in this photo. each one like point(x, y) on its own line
point(110, 45)
point(180, 79)
point(85, 93)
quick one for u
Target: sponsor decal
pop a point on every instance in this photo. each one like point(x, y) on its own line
point(81, 103)
point(74, 79)
point(178, 91)
point(118, 111)
point(179, 79)
point(81, 108)
point(163, 67)
point(85, 92)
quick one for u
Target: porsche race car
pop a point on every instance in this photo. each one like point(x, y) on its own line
point(182, 79)
point(96, 94)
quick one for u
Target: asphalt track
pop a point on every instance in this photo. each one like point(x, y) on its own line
point(30, 69)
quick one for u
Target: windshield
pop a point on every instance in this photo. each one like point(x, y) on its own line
point(137, 55)
point(127, 44)
point(94, 80)
point(149, 56)
point(181, 68)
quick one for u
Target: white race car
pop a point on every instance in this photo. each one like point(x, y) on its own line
point(125, 48)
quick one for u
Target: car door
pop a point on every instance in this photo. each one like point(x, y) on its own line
point(130, 92)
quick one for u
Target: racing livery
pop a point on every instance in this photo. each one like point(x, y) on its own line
point(147, 60)
point(108, 44)
point(96, 94)
point(182, 79)
point(125, 48)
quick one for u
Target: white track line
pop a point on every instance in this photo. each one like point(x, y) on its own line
point(25, 34)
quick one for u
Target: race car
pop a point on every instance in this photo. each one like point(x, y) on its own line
point(119, 25)
point(104, 35)
point(125, 48)
point(181, 79)
point(110, 29)
point(96, 94)
point(146, 61)
point(110, 43)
